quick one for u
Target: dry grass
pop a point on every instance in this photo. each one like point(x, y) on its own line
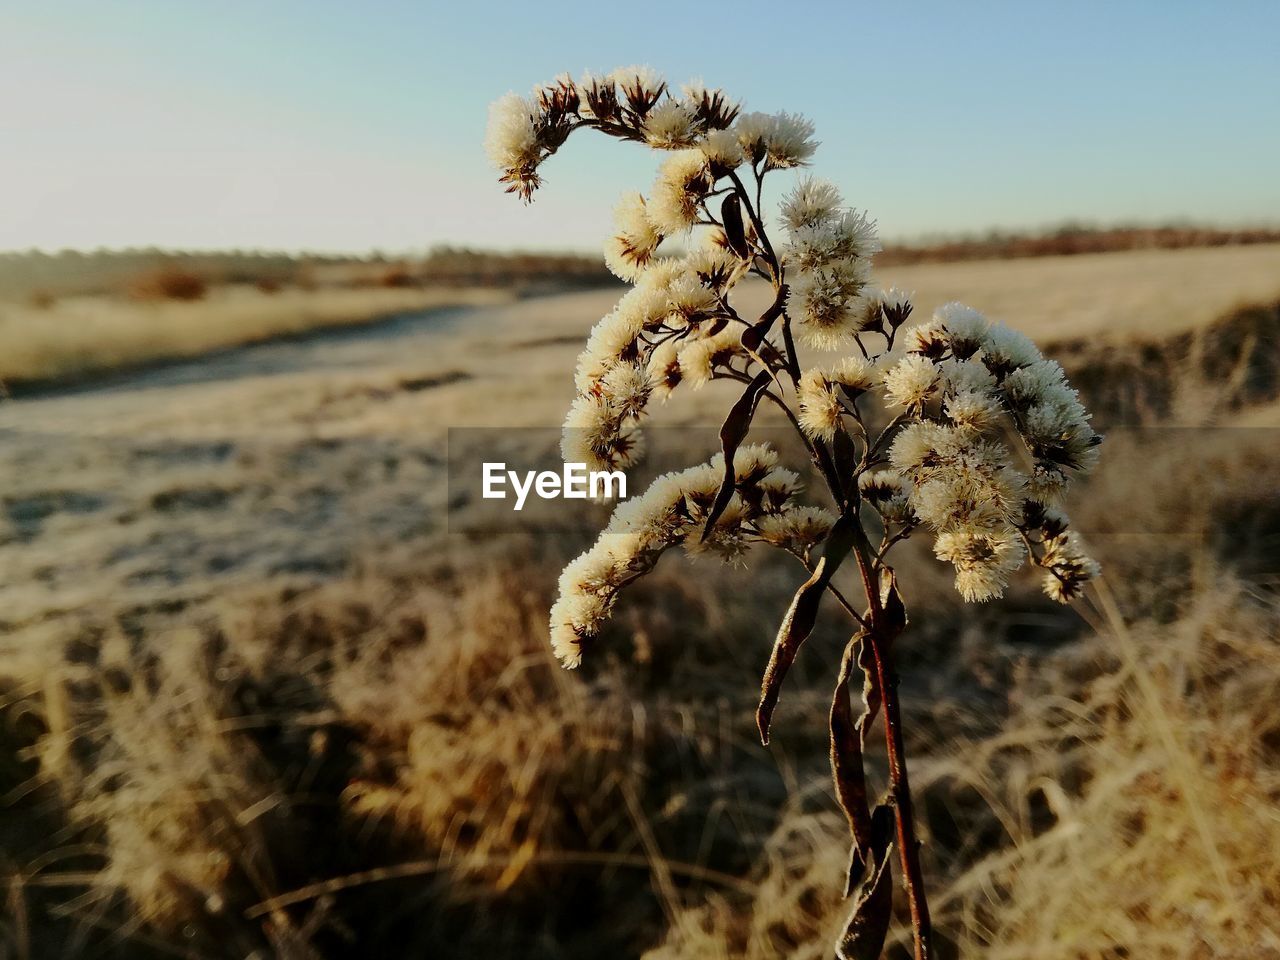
point(1151, 293)
point(80, 336)
point(169, 283)
point(1125, 807)
point(255, 699)
point(73, 273)
point(394, 761)
point(1147, 292)
point(1141, 811)
point(228, 784)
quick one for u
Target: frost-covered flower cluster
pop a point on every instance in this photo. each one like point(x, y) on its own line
point(956, 426)
point(965, 384)
point(960, 384)
point(825, 394)
point(674, 511)
point(830, 257)
point(631, 103)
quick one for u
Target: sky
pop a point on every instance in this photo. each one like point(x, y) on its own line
point(329, 125)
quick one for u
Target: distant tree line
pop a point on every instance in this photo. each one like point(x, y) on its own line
point(1071, 239)
point(42, 278)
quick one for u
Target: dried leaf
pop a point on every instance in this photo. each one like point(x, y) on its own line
point(839, 542)
point(868, 923)
point(847, 771)
point(734, 229)
point(796, 626)
point(845, 455)
point(754, 335)
point(893, 620)
point(732, 432)
point(891, 605)
point(799, 620)
point(853, 872)
point(870, 689)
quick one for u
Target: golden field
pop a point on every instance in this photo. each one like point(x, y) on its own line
point(261, 694)
point(80, 336)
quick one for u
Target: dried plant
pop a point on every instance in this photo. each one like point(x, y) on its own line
point(956, 426)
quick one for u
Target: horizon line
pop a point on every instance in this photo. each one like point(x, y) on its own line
point(914, 241)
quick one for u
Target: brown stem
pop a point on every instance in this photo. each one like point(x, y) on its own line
point(775, 268)
point(758, 224)
point(899, 784)
point(840, 598)
point(817, 451)
point(886, 679)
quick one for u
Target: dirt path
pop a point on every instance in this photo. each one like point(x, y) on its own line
point(161, 487)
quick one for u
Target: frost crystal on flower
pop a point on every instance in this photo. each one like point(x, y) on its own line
point(831, 308)
point(641, 86)
point(1069, 567)
point(713, 108)
point(670, 125)
point(715, 267)
point(811, 203)
point(700, 358)
point(856, 374)
point(983, 561)
point(636, 240)
point(723, 151)
point(778, 141)
point(597, 433)
point(512, 140)
point(850, 236)
point(626, 388)
point(1005, 349)
point(889, 494)
point(681, 186)
point(965, 328)
point(910, 381)
point(895, 306)
point(688, 297)
point(819, 412)
point(664, 368)
point(796, 530)
point(614, 339)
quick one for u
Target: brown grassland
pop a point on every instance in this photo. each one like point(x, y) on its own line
point(262, 694)
point(81, 336)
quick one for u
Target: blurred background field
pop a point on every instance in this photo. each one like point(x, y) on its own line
point(258, 700)
point(272, 686)
point(72, 316)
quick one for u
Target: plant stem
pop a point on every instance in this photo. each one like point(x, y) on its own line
point(758, 224)
point(899, 784)
point(876, 628)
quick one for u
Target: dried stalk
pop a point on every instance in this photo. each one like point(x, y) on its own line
point(963, 386)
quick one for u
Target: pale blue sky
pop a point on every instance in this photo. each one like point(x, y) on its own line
point(334, 125)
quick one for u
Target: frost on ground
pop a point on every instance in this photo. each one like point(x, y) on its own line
point(255, 701)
